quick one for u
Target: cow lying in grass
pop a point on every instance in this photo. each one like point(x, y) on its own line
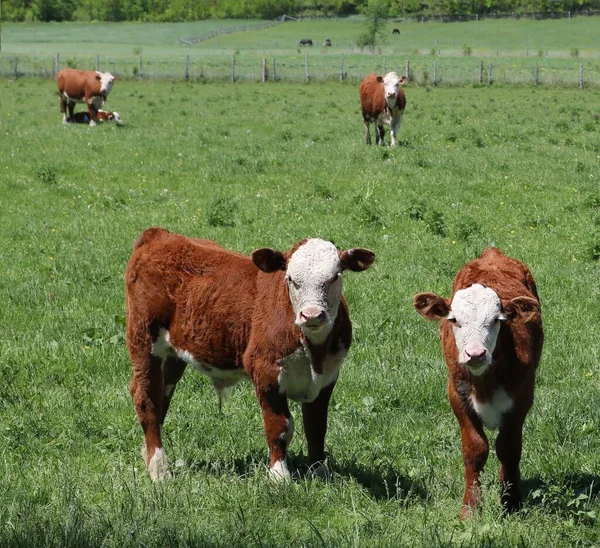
point(83, 117)
point(492, 336)
point(279, 319)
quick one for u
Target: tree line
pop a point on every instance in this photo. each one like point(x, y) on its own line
point(194, 10)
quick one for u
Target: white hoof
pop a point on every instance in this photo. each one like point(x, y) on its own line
point(158, 467)
point(279, 472)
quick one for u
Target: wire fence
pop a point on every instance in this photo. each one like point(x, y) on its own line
point(304, 67)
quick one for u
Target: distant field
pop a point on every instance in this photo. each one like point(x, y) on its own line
point(255, 165)
point(514, 48)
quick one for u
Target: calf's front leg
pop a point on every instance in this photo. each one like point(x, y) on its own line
point(279, 429)
point(314, 417)
point(475, 450)
point(509, 446)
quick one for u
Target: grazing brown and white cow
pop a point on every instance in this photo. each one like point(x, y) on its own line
point(279, 319)
point(492, 337)
point(83, 86)
point(382, 101)
point(83, 117)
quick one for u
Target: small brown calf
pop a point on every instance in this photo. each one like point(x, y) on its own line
point(278, 319)
point(492, 337)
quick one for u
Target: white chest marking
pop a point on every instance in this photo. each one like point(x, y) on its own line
point(162, 348)
point(491, 412)
point(299, 380)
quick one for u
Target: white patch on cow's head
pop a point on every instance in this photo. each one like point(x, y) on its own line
point(476, 313)
point(314, 280)
point(391, 88)
point(106, 81)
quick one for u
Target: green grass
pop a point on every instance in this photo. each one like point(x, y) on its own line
point(264, 165)
point(513, 47)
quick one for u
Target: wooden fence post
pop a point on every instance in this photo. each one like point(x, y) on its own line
point(264, 70)
point(407, 73)
point(481, 72)
point(581, 76)
point(56, 65)
point(273, 69)
point(490, 74)
point(16, 67)
point(232, 69)
point(141, 68)
point(306, 66)
point(435, 73)
point(537, 75)
point(342, 69)
point(186, 74)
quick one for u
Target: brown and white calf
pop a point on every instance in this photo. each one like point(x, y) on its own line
point(83, 86)
point(382, 101)
point(279, 319)
point(491, 334)
point(83, 117)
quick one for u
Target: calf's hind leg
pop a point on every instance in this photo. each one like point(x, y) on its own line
point(147, 391)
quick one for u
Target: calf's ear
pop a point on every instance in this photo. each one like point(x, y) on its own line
point(356, 259)
point(431, 306)
point(525, 308)
point(268, 260)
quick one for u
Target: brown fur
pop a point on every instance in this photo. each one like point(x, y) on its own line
point(373, 103)
point(218, 306)
point(515, 360)
point(81, 85)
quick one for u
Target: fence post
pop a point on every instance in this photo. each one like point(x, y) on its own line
point(274, 69)
point(98, 63)
point(232, 69)
point(306, 66)
point(481, 72)
point(141, 68)
point(16, 67)
point(435, 73)
point(537, 75)
point(56, 65)
point(581, 76)
point(490, 74)
point(342, 69)
point(186, 74)
point(264, 70)
point(407, 73)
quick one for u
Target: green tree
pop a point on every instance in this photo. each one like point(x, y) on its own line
point(376, 15)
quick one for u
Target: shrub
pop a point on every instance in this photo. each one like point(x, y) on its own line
point(467, 50)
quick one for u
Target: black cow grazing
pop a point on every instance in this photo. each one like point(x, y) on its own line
point(327, 43)
point(306, 42)
point(396, 31)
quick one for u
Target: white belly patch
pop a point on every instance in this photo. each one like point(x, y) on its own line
point(491, 412)
point(162, 348)
point(299, 380)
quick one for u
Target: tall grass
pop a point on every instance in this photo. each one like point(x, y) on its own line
point(262, 165)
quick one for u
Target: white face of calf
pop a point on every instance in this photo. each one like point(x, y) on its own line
point(314, 279)
point(391, 87)
point(106, 81)
point(475, 314)
point(313, 275)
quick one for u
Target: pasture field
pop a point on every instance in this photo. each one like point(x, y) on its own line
point(258, 165)
point(514, 48)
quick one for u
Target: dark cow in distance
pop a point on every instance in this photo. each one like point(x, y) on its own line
point(491, 334)
point(327, 43)
point(396, 31)
point(83, 117)
point(83, 86)
point(382, 101)
point(278, 319)
point(306, 42)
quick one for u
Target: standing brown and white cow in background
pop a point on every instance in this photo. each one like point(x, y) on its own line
point(83, 86)
point(492, 337)
point(279, 319)
point(382, 101)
